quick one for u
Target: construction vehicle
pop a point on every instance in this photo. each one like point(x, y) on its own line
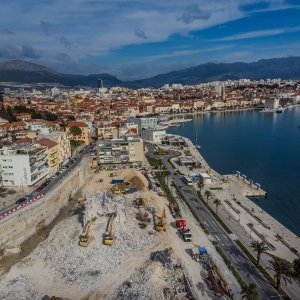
point(85, 239)
point(108, 238)
point(186, 234)
point(81, 201)
point(183, 231)
point(117, 180)
point(161, 224)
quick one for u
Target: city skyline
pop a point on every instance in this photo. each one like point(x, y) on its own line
point(140, 39)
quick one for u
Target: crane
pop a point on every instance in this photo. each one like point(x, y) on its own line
point(108, 238)
point(161, 224)
point(85, 238)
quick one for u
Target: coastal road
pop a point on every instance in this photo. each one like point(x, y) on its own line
point(241, 263)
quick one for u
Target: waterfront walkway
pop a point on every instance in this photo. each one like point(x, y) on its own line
point(246, 220)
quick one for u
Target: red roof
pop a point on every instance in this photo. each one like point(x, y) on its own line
point(46, 142)
point(76, 123)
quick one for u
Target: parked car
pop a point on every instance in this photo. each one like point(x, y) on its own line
point(23, 199)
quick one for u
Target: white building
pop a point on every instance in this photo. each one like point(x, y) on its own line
point(23, 164)
point(205, 178)
point(154, 136)
point(145, 123)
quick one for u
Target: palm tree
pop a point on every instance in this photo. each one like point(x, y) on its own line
point(282, 270)
point(260, 248)
point(207, 194)
point(296, 266)
point(249, 292)
point(217, 203)
point(200, 185)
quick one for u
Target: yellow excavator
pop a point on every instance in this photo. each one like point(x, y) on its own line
point(161, 224)
point(85, 239)
point(108, 238)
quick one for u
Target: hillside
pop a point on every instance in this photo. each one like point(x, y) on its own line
point(25, 72)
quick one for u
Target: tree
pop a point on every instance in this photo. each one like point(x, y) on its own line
point(260, 248)
point(296, 266)
point(200, 185)
point(217, 203)
point(282, 270)
point(75, 131)
point(249, 292)
point(207, 194)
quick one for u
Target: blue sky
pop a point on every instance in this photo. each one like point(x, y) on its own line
point(137, 38)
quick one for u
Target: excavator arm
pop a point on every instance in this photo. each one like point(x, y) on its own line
point(108, 236)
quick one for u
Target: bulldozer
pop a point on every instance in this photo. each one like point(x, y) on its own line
point(160, 226)
point(85, 239)
point(108, 238)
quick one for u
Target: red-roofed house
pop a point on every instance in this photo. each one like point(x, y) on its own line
point(84, 137)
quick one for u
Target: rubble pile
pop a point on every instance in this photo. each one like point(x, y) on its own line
point(86, 266)
point(159, 278)
point(20, 287)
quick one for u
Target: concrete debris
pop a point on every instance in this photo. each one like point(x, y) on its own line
point(154, 281)
point(164, 257)
point(85, 266)
point(20, 287)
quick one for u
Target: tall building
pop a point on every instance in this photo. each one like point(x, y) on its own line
point(64, 147)
point(23, 164)
point(53, 155)
point(146, 123)
point(99, 84)
point(117, 151)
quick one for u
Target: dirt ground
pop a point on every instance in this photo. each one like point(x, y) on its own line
point(133, 267)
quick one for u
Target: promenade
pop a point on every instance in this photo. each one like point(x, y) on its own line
point(235, 191)
point(246, 220)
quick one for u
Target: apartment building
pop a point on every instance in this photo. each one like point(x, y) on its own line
point(53, 154)
point(23, 164)
point(106, 132)
point(61, 139)
point(117, 151)
point(84, 137)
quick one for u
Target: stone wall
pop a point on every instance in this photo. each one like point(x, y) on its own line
point(25, 223)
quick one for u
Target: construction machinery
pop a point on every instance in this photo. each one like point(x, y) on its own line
point(161, 224)
point(183, 231)
point(186, 234)
point(108, 238)
point(85, 239)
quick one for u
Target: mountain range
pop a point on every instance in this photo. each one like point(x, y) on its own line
point(19, 71)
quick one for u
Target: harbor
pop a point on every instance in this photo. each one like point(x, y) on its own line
point(246, 221)
point(264, 147)
point(234, 192)
point(165, 123)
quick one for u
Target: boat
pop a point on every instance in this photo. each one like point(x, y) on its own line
point(198, 146)
point(280, 110)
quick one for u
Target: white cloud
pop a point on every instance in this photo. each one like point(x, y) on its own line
point(83, 29)
point(259, 33)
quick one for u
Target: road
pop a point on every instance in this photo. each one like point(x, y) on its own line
point(241, 263)
point(54, 182)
